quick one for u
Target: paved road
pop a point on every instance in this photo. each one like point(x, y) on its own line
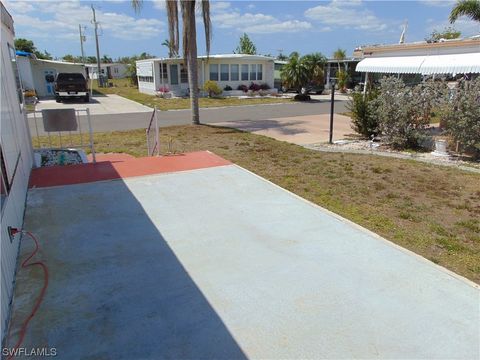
point(139, 120)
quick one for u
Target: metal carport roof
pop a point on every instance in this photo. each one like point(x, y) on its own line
point(426, 65)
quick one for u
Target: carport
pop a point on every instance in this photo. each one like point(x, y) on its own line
point(194, 257)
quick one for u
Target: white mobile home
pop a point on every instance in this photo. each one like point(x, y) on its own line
point(229, 70)
point(16, 157)
point(39, 75)
point(110, 71)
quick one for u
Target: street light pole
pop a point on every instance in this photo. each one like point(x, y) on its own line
point(99, 79)
point(82, 39)
point(332, 106)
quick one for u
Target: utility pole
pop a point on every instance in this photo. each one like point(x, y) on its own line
point(82, 40)
point(95, 24)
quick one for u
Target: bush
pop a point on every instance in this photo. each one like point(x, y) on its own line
point(254, 87)
point(342, 80)
point(302, 97)
point(364, 118)
point(403, 113)
point(264, 86)
point(461, 115)
point(163, 89)
point(242, 87)
point(228, 88)
point(212, 88)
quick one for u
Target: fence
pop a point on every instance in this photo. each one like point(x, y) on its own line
point(63, 121)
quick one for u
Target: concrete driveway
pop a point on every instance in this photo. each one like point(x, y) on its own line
point(98, 105)
point(300, 130)
point(217, 263)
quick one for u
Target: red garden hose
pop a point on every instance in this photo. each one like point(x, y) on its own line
point(40, 297)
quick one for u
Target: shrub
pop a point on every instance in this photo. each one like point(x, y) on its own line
point(163, 89)
point(342, 80)
point(254, 87)
point(212, 88)
point(242, 87)
point(403, 113)
point(302, 97)
point(264, 86)
point(461, 116)
point(364, 118)
point(228, 88)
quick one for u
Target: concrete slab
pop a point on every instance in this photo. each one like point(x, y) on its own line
point(300, 130)
point(219, 263)
point(98, 105)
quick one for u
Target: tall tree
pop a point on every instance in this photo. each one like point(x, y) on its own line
point(246, 46)
point(338, 55)
point(25, 45)
point(468, 8)
point(106, 59)
point(315, 64)
point(189, 40)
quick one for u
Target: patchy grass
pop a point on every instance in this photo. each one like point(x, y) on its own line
point(123, 88)
point(428, 209)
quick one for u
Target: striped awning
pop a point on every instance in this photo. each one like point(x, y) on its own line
point(426, 65)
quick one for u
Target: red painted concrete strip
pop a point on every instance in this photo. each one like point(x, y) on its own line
point(117, 168)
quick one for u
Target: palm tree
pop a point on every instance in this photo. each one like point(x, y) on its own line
point(315, 64)
point(295, 73)
point(189, 40)
point(171, 51)
point(338, 55)
point(469, 8)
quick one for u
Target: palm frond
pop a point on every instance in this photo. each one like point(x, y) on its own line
point(469, 8)
point(137, 5)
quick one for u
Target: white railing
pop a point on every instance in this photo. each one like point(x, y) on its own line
point(74, 138)
point(152, 134)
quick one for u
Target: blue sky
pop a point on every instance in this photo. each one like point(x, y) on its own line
point(303, 26)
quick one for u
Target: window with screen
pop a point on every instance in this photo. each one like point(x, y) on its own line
point(234, 72)
point(244, 72)
point(224, 76)
point(183, 74)
point(253, 72)
point(163, 73)
point(259, 72)
point(174, 74)
point(214, 72)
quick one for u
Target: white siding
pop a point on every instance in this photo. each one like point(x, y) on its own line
point(15, 140)
point(25, 72)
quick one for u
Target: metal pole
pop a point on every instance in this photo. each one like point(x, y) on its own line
point(81, 43)
point(330, 138)
point(157, 135)
point(92, 147)
point(99, 80)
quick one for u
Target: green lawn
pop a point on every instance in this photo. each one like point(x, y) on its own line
point(123, 88)
point(429, 209)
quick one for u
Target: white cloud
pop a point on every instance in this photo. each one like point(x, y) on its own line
point(438, 3)
point(224, 17)
point(159, 4)
point(20, 7)
point(346, 14)
point(61, 20)
point(276, 27)
point(251, 6)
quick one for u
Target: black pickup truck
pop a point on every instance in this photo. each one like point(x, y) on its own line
point(71, 85)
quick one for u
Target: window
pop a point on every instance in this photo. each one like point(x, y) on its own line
point(259, 72)
point(183, 74)
point(174, 74)
point(244, 72)
point(234, 70)
point(224, 72)
point(214, 72)
point(163, 73)
point(145, 79)
point(253, 72)
point(13, 59)
point(115, 70)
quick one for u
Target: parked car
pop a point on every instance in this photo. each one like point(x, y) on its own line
point(71, 85)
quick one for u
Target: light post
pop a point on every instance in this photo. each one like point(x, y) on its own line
point(333, 81)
